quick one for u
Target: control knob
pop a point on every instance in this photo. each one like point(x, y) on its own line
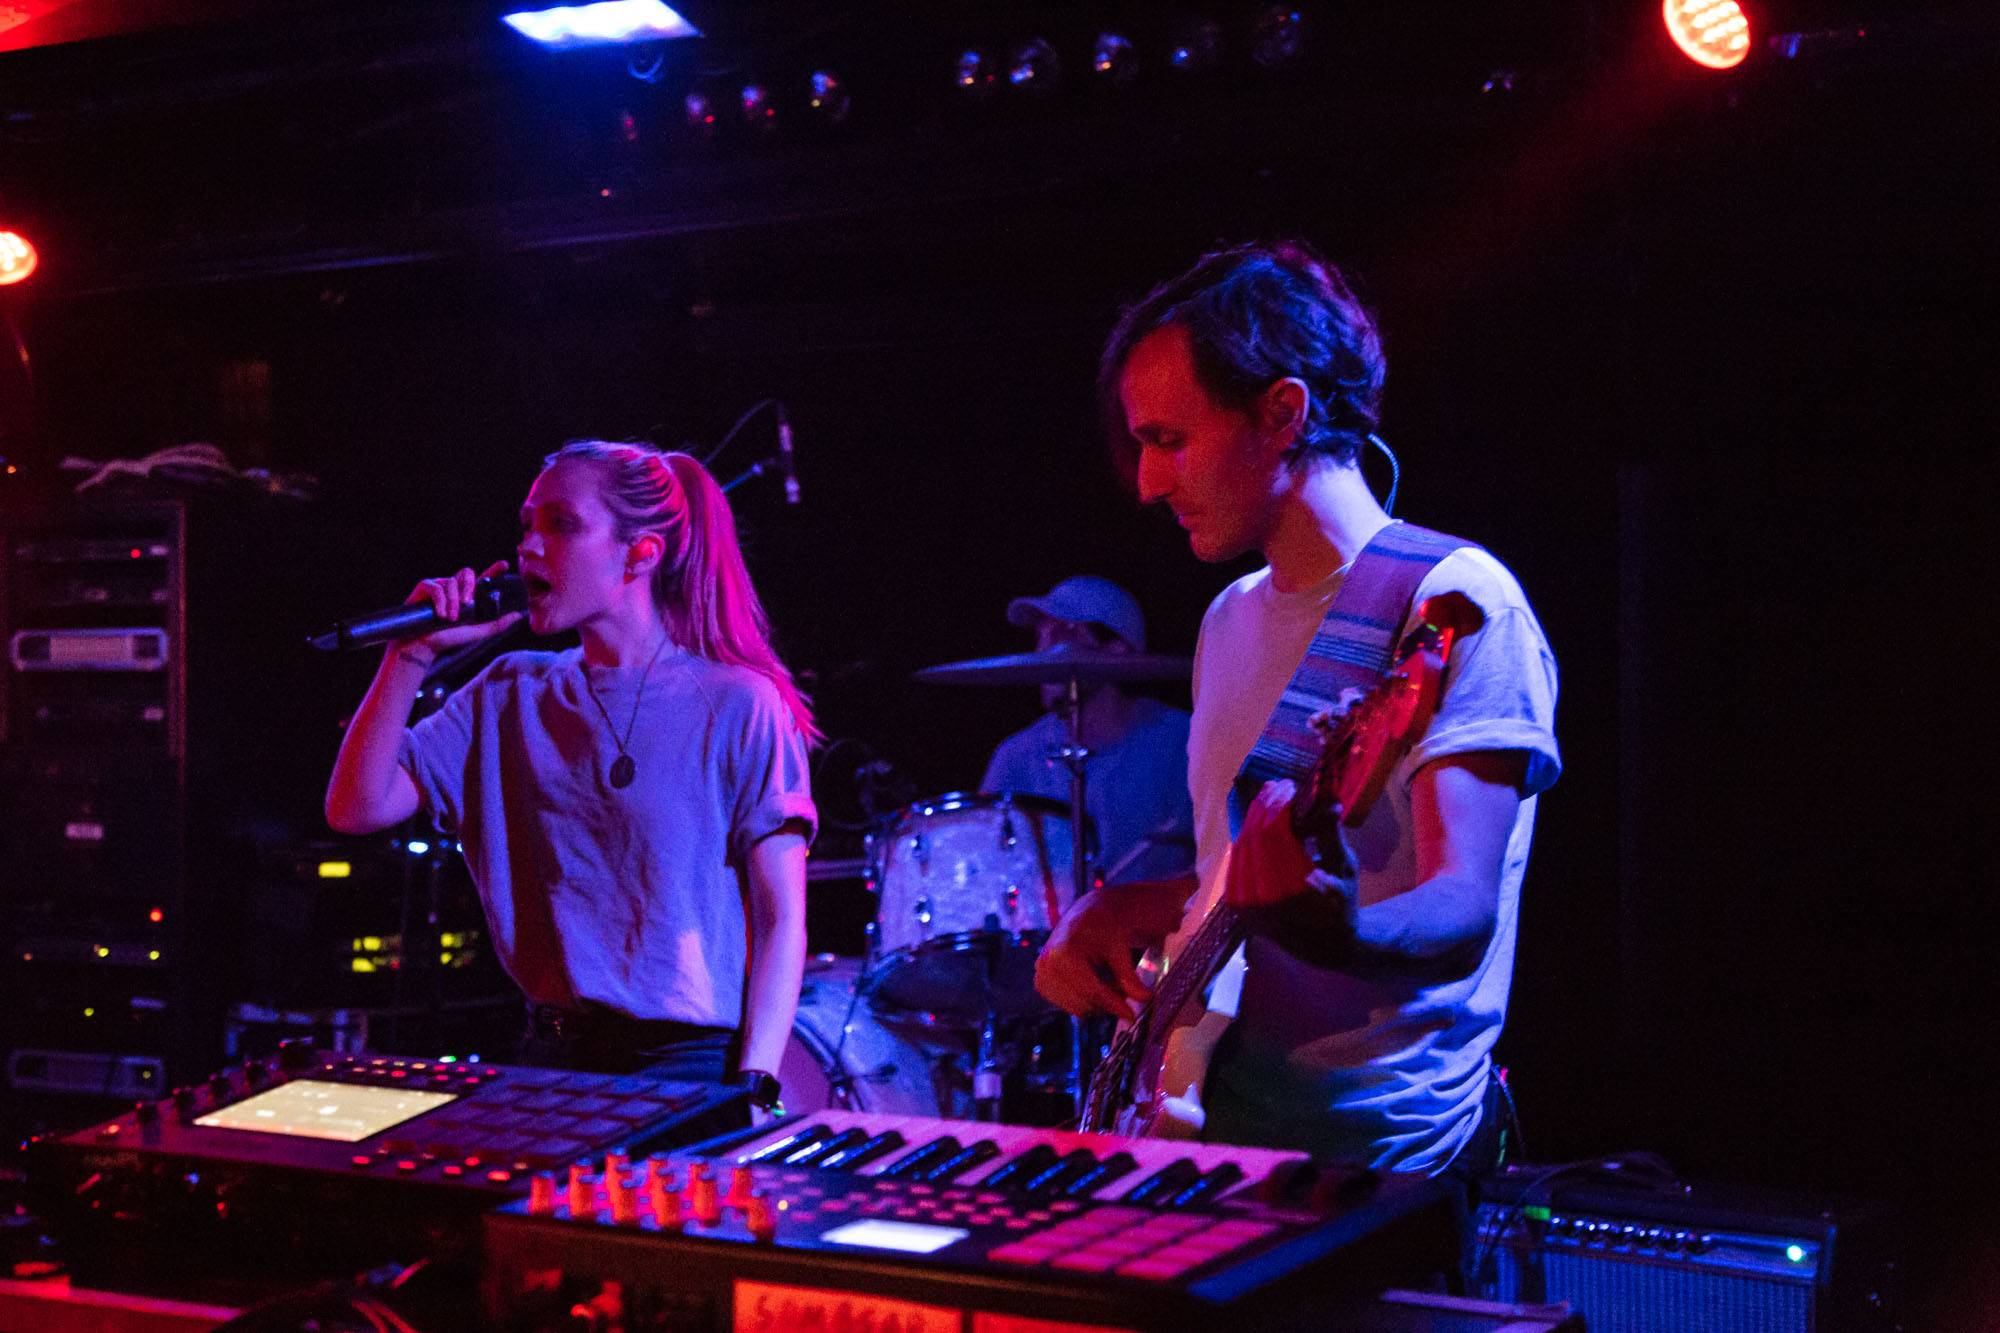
point(760, 1216)
point(704, 1200)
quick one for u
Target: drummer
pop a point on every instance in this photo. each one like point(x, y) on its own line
point(1137, 795)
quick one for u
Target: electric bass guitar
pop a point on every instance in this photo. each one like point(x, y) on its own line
point(1149, 1081)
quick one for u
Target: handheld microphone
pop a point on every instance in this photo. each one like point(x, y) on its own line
point(491, 599)
point(786, 460)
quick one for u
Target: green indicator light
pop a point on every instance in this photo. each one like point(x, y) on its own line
point(1537, 1214)
point(1796, 1253)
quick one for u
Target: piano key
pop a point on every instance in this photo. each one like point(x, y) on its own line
point(1090, 1182)
point(912, 1165)
point(813, 1153)
point(1209, 1188)
point(1017, 1169)
point(961, 1161)
point(1170, 1180)
point(1051, 1179)
point(869, 1150)
point(789, 1143)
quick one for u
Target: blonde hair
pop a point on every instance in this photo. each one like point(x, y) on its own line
point(701, 584)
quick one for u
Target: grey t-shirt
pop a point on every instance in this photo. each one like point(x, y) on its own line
point(632, 898)
point(1390, 1070)
point(1138, 786)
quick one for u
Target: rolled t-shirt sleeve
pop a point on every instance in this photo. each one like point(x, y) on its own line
point(773, 782)
point(435, 753)
point(1500, 684)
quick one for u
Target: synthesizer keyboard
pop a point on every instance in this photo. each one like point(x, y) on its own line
point(814, 1222)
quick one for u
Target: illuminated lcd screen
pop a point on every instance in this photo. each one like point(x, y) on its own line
point(310, 1109)
point(909, 1237)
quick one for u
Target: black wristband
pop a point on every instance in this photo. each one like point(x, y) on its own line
point(765, 1090)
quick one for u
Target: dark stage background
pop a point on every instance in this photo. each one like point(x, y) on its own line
point(1707, 360)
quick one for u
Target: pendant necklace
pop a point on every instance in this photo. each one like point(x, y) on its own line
point(623, 769)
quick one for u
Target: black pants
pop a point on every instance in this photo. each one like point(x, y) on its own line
point(598, 1040)
point(1479, 1158)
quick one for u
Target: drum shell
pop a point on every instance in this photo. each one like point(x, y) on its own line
point(968, 886)
point(842, 1055)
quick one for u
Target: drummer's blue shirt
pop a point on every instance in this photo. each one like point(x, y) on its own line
point(1137, 793)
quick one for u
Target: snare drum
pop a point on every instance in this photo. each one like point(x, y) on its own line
point(968, 888)
point(842, 1055)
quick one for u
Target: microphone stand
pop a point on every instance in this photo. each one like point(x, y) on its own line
point(763, 467)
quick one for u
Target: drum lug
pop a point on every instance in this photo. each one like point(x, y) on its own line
point(921, 849)
point(1012, 900)
point(923, 913)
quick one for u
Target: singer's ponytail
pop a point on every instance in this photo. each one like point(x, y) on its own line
point(701, 584)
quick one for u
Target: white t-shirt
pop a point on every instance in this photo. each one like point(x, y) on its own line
point(629, 897)
point(1391, 1071)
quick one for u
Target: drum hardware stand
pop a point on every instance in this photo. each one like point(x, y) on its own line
point(986, 1075)
point(840, 1083)
point(1074, 756)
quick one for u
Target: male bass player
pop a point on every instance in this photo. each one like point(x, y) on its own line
point(1243, 392)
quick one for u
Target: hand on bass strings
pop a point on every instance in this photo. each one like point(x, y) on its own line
point(1086, 966)
point(449, 597)
point(1268, 865)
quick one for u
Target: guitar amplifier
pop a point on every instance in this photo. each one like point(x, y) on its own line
point(1697, 1259)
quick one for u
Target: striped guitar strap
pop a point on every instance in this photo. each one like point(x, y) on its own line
point(1352, 648)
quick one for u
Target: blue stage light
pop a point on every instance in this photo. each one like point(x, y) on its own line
point(600, 24)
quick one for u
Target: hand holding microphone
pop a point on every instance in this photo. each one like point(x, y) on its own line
point(455, 598)
point(489, 604)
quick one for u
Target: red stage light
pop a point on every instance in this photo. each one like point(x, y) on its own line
point(18, 259)
point(1714, 33)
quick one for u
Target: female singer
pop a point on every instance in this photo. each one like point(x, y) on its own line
point(635, 811)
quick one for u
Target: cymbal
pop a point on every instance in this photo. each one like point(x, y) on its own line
point(1060, 664)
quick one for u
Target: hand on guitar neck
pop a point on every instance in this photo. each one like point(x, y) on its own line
point(1270, 863)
